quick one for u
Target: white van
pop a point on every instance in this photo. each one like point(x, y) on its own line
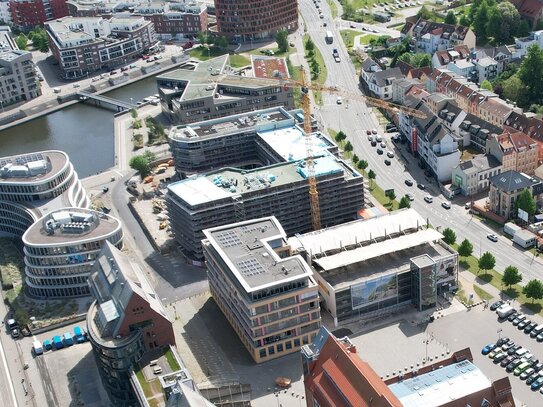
point(157, 370)
point(521, 352)
point(37, 347)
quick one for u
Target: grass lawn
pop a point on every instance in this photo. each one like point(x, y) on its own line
point(322, 74)
point(470, 263)
point(348, 37)
point(333, 8)
point(171, 360)
point(144, 385)
point(367, 38)
point(461, 294)
point(236, 61)
point(379, 194)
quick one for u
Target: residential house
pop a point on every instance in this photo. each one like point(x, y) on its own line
point(495, 111)
point(377, 80)
point(505, 189)
point(515, 151)
point(472, 176)
point(429, 36)
point(522, 44)
point(532, 126)
point(463, 67)
point(400, 87)
point(441, 59)
point(487, 69)
point(502, 55)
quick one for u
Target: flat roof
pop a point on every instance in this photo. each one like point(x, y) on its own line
point(358, 231)
point(441, 386)
point(393, 262)
point(257, 120)
point(269, 67)
point(245, 248)
point(290, 142)
point(69, 227)
point(231, 182)
point(57, 160)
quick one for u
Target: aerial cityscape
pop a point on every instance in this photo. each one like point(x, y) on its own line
point(240, 203)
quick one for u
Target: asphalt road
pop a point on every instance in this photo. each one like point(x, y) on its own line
point(354, 118)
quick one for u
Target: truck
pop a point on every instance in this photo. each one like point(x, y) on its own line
point(68, 339)
point(524, 238)
point(37, 348)
point(335, 54)
point(329, 38)
point(511, 228)
point(80, 335)
point(504, 311)
point(57, 342)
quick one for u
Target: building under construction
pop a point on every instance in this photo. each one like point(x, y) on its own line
point(276, 183)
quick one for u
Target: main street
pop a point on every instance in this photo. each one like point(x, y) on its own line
point(354, 118)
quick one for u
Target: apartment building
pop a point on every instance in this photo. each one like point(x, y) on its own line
point(32, 185)
point(505, 189)
point(172, 20)
point(27, 14)
point(82, 45)
point(5, 12)
point(268, 295)
point(18, 79)
point(250, 20)
point(515, 151)
point(210, 91)
point(126, 324)
point(442, 58)
point(378, 81)
point(429, 36)
point(366, 268)
point(473, 176)
point(531, 126)
point(335, 374)
point(61, 248)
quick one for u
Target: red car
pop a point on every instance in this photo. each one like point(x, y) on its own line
point(368, 132)
point(145, 57)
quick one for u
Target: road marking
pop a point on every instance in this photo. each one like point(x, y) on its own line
point(10, 382)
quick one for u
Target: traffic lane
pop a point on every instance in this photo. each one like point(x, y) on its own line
point(475, 329)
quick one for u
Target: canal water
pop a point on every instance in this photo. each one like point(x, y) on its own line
point(84, 132)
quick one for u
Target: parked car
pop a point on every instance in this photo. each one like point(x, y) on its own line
point(536, 385)
point(408, 182)
point(502, 341)
point(492, 237)
point(368, 132)
point(496, 305)
point(532, 378)
point(421, 186)
point(379, 151)
point(506, 361)
point(519, 319)
point(37, 347)
point(539, 337)
point(521, 368)
point(446, 205)
point(538, 366)
point(513, 316)
point(47, 345)
point(15, 333)
point(507, 346)
point(530, 327)
point(488, 348)
point(527, 373)
point(388, 162)
point(374, 131)
point(429, 198)
point(390, 154)
point(499, 357)
point(411, 197)
point(383, 145)
point(496, 352)
point(513, 349)
point(513, 365)
point(524, 324)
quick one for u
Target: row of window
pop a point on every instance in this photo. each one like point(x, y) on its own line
point(58, 292)
point(286, 346)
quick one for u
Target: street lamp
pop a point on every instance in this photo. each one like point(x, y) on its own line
point(499, 332)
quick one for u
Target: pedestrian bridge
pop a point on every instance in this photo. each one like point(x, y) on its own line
point(104, 101)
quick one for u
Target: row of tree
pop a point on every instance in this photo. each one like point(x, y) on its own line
point(511, 275)
point(38, 36)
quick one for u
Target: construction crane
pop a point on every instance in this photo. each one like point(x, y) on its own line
point(305, 86)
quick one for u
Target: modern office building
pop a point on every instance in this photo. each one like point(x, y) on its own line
point(33, 184)
point(210, 91)
point(18, 80)
point(61, 248)
point(172, 20)
point(124, 323)
point(368, 267)
point(247, 140)
point(268, 295)
point(27, 14)
point(250, 20)
point(260, 165)
point(335, 375)
point(82, 45)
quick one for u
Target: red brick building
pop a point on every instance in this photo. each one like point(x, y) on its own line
point(248, 20)
point(27, 14)
point(336, 376)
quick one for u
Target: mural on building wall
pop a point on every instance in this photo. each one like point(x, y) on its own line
point(378, 289)
point(446, 269)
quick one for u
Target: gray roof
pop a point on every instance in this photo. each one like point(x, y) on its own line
point(391, 73)
point(479, 163)
point(369, 63)
point(510, 181)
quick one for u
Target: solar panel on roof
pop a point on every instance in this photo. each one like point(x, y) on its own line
point(250, 267)
point(228, 239)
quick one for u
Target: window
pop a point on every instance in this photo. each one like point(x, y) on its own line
point(288, 345)
point(262, 353)
point(296, 342)
point(280, 347)
point(271, 350)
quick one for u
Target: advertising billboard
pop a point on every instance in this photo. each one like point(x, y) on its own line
point(446, 269)
point(375, 290)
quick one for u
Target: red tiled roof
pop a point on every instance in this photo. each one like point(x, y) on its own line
point(529, 8)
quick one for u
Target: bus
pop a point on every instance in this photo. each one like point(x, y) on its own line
point(329, 38)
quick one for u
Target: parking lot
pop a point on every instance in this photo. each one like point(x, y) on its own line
point(401, 345)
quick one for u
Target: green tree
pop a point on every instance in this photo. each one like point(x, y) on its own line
point(362, 165)
point(21, 41)
point(450, 18)
point(487, 261)
point(355, 159)
point(405, 57)
point(449, 236)
point(511, 276)
point(281, 37)
point(486, 85)
point(494, 25)
point(464, 20)
point(513, 88)
point(465, 249)
point(372, 175)
point(140, 164)
point(340, 136)
point(480, 21)
point(149, 156)
point(526, 202)
point(510, 19)
point(391, 196)
point(38, 36)
point(531, 72)
point(348, 146)
point(421, 59)
point(405, 202)
point(309, 44)
point(425, 13)
point(523, 28)
point(533, 290)
point(222, 42)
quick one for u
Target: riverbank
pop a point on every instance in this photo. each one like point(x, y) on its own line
point(41, 107)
